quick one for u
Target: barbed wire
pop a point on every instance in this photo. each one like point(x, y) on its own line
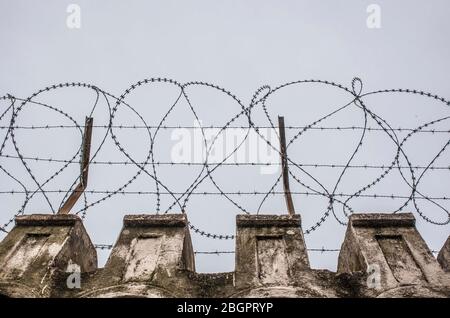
point(219, 252)
point(322, 250)
point(411, 175)
point(335, 128)
point(202, 193)
point(267, 164)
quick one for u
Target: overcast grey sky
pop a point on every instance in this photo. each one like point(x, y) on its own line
point(238, 45)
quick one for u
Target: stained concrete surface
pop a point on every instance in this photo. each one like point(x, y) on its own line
point(153, 257)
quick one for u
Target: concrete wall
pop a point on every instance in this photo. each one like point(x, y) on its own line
point(382, 255)
point(444, 256)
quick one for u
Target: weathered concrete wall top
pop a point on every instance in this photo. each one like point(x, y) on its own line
point(382, 255)
point(38, 248)
point(444, 256)
point(391, 249)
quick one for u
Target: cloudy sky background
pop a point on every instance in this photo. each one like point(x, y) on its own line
point(238, 45)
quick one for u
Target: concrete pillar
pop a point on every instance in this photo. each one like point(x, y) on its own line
point(35, 255)
point(270, 250)
point(391, 250)
point(151, 258)
point(444, 256)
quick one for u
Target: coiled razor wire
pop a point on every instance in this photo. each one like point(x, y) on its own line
point(15, 107)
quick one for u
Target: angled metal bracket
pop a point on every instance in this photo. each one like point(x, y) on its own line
point(284, 166)
point(84, 168)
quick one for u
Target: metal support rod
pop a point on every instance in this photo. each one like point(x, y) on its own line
point(284, 166)
point(84, 168)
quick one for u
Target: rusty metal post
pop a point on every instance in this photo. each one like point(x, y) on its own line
point(284, 167)
point(84, 168)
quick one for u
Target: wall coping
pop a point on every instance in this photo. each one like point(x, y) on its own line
point(382, 220)
point(47, 219)
point(244, 220)
point(155, 220)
